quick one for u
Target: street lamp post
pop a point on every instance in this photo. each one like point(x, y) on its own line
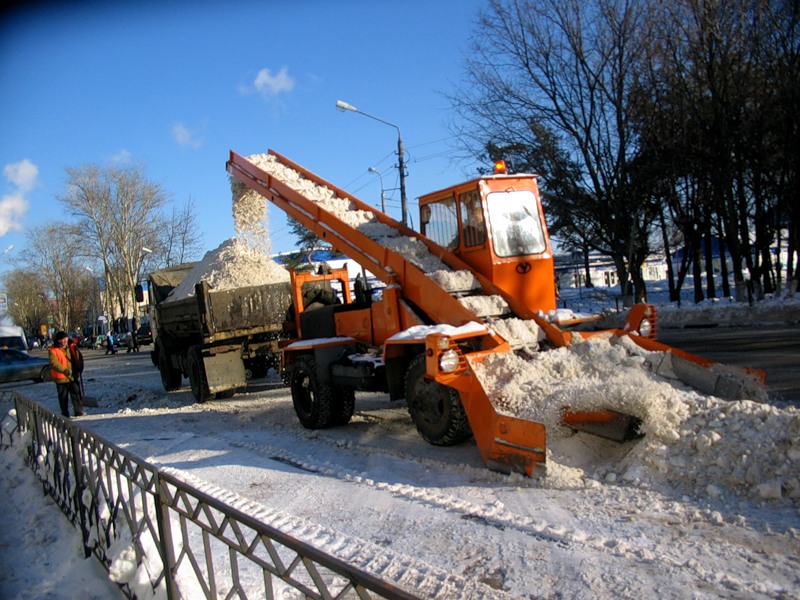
point(383, 193)
point(342, 105)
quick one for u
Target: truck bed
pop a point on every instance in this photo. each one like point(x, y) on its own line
point(216, 316)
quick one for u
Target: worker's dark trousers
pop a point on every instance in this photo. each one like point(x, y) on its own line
point(64, 391)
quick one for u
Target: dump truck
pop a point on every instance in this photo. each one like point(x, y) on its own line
point(480, 268)
point(217, 339)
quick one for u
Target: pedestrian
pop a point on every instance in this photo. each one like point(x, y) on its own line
point(61, 370)
point(110, 344)
point(131, 344)
point(77, 365)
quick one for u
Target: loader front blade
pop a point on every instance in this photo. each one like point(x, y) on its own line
point(608, 424)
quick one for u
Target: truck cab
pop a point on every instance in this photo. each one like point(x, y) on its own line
point(496, 225)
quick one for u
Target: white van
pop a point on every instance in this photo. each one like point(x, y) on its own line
point(12, 336)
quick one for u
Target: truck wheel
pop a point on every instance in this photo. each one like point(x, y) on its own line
point(197, 376)
point(170, 376)
point(312, 399)
point(435, 409)
point(225, 394)
point(344, 405)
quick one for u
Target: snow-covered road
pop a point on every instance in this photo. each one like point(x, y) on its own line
point(375, 488)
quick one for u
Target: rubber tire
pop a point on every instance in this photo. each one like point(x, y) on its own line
point(226, 394)
point(313, 400)
point(435, 409)
point(170, 376)
point(197, 376)
point(44, 375)
point(344, 405)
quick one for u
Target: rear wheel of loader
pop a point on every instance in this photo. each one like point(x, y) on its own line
point(170, 376)
point(197, 375)
point(312, 399)
point(435, 409)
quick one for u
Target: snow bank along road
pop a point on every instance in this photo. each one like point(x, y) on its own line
point(601, 529)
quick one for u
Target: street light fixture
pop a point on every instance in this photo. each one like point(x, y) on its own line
point(383, 193)
point(342, 105)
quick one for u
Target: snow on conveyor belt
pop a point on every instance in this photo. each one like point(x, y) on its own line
point(691, 439)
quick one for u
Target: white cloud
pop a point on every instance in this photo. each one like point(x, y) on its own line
point(185, 136)
point(123, 157)
point(14, 205)
point(271, 85)
point(13, 208)
point(22, 174)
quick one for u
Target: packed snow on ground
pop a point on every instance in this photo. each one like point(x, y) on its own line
point(705, 505)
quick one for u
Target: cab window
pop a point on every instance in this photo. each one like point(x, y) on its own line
point(440, 223)
point(473, 225)
point(516, 228)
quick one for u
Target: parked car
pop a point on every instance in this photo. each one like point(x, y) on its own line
point(87, 342)
point(144, 335)
point(16, 365)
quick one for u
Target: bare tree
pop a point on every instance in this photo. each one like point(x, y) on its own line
point(27, 298)
point(719, 90)
point(180, 240)
point(57, 261)
point(567, 67)
point(118, 210)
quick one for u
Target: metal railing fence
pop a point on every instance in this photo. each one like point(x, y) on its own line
point(159, 536)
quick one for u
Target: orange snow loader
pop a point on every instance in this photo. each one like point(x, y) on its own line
point(483, 255)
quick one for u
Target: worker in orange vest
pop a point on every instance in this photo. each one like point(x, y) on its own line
point(61, 370)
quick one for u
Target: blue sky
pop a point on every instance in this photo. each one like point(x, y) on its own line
point(174, 86)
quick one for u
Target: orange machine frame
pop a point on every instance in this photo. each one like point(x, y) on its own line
point(529, 278)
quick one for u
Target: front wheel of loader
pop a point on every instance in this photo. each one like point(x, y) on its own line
point(312, 399)
point(197, 376)
point(435, 409)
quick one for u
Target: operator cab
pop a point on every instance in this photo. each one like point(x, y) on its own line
point(496, 225)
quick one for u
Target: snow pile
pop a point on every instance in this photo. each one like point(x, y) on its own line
point(564, 315)
point(242, 261)
point(455, 281)
point(691, 440)
point(715, 310)
point(250, 218)
point(344, 209)
point(485, 306)
point(519, 332)
point(232, 265)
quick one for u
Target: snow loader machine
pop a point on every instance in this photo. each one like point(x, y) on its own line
point(483, 255)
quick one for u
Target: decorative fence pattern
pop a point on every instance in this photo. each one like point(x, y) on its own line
point(160, 537)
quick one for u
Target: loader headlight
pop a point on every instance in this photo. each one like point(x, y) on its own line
point(645, 328)
point(448, 361)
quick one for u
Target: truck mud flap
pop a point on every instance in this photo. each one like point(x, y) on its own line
point(224, 371)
